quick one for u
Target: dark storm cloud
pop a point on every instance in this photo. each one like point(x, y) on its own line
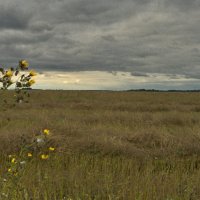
point(90, 11)
point(137, 36)
point(184, 5)
point(40, 26)
point(13, 18)
point(139, 74)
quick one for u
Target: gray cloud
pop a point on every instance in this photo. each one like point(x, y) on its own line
point(139, 74)
point(110, 38)
point(137, 36)
point(13, 18)
point(40, 26)
point(183, 5)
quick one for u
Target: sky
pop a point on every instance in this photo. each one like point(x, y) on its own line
point(104, 44)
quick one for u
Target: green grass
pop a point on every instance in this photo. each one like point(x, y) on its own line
point(110, 145)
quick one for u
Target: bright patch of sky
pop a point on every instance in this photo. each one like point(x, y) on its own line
point(97, 80)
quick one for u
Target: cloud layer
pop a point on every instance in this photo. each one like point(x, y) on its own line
point(136, 36)
point(98, 80)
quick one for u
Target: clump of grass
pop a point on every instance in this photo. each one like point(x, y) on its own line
point(17, 163)
point(89, 176)
point(38, 148)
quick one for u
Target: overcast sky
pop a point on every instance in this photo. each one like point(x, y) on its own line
point(142, 38)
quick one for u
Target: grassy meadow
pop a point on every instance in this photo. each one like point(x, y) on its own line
point(109, 145)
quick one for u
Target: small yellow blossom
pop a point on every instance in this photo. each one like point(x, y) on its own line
point(23, 64)
point(31, 82)
point(51, 148)
point(15, 174)
point(44, 156)
point(13, 160)
point(32, 73)
point(9, 170)
point(9, 73)
point(29, 154)
point(46, 131)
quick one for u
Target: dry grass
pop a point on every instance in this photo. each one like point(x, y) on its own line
point(129, 123)
point(111, 145)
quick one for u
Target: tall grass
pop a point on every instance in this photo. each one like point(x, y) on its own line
point(110, 145)
point(87, 176)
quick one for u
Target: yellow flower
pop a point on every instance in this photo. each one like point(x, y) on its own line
point(46, 131)
point(44, 156)
point(23, 64)
point(13, 160)
point(9, 73)
point(51, 148)
point(29, 154)
point(9, 170)
point(31, 82)
point(15, 174)
point(32, 73)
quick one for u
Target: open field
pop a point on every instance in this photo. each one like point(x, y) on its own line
point(110, 145)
